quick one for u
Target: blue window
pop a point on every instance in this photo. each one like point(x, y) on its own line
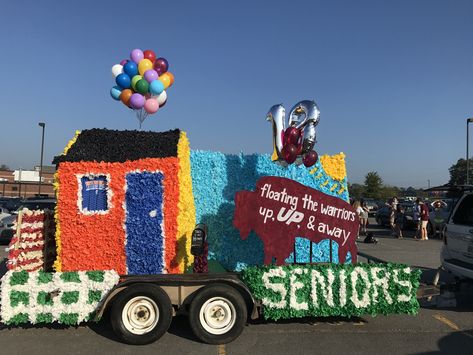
point(94, 193)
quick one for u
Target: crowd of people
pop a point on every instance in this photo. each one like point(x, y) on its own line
point(420, 216)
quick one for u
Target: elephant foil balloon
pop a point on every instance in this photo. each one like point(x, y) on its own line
point(299, 138)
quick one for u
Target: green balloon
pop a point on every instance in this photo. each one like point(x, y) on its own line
point(134, 80)
point(142, 86)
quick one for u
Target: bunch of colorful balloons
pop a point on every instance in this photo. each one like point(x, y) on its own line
point(141, 82)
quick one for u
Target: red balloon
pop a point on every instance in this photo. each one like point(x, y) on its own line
point(310, 158)
point(292, 136)
point(289, 153)
point(149, 54)
point(161, 65)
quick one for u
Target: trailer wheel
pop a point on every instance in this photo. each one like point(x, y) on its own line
point(217, 314)
point(141, 314)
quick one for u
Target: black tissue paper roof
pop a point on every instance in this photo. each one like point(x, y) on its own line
point(119, 146)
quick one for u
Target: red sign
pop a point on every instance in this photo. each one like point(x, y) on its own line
point(281, 209)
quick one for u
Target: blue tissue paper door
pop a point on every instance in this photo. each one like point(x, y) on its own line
point(144, 223)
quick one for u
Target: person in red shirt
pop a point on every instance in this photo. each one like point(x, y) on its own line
point(424, 219)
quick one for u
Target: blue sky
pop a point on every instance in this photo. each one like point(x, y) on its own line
point(393, 79)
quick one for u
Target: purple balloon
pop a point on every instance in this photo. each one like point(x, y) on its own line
point(123, 62)
point(137, 101)
point(151, 75)
point(161, 65)
point(137, 55)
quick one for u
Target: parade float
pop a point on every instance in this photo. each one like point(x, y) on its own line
point(146, 228)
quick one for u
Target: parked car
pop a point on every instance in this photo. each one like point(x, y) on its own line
point(11, 203)
point(457, 251)
point(372, 206)
point(38, 204)
point(382, 215)
point(4, 212)
point(6, 229)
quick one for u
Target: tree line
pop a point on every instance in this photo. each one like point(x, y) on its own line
point(374, 188)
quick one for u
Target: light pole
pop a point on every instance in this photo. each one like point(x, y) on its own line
point(43, 125)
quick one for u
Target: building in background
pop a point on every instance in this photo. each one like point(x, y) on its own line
point(25, 183)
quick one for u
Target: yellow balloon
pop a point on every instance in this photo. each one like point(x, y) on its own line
point(166, 80)
point(144, 65)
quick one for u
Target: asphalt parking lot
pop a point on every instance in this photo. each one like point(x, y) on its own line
point(443, 325)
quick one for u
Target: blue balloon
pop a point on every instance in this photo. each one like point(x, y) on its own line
point(115, 92)
point(123, 81)
point(130, 68)
point(156, 87)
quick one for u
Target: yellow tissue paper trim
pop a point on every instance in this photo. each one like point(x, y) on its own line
point(186, 217)
point(71, 143)
point(57, 266)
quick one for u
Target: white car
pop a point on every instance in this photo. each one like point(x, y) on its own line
point(4, 213)
point(457, 251)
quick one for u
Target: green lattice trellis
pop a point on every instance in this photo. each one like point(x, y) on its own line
point(67, 297)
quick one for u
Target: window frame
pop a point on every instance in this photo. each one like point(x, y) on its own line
point(109, 193)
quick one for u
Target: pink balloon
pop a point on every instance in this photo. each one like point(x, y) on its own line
point(123, 62)
point(151, 105)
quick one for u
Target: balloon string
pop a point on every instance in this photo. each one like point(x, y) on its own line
point(141, 115)
point(138, 116)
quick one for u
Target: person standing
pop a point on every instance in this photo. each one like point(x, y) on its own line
point(358, 210)
point(363, 213)
point(424, 219)
point(399, 221)
point(392, 213)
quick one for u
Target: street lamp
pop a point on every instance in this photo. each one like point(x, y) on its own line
point(43, 125)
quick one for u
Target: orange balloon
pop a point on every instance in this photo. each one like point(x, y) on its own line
point(166, 80)
point(125, 96)
point(171, 76)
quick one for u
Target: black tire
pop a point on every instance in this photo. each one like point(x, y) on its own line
point(217, 314)
point(141, 314)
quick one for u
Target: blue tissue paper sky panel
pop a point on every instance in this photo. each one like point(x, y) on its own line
point(216, 177)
